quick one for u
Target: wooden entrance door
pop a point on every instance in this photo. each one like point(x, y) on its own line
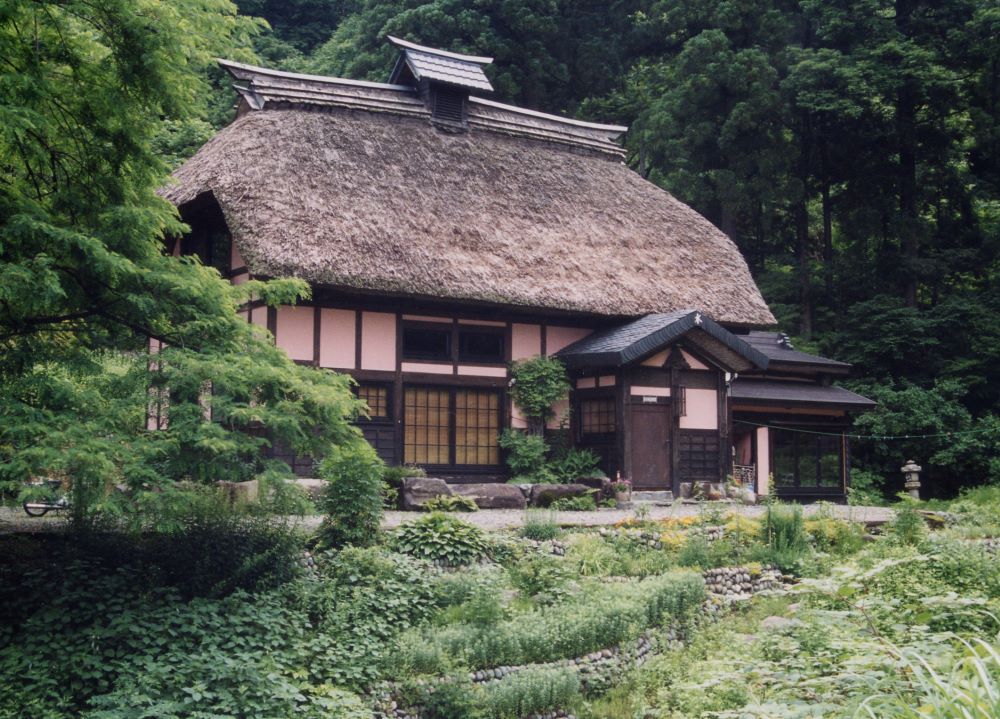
point(649, 446)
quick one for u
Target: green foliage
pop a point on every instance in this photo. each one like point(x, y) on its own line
point(783, 532)
point(540, 525)
point(580, 503)
point(442, 538)
point(451, 503)
point(909, 526)
point(352, 498)
point(610, 615)
point(535, 385)
point(531, 692)
point(540, 576)
point(526, 455)
point(573, 463)
point(969, 689)
point(92, 96)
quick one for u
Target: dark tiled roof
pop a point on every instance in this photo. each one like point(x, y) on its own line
point(770, 344)
point(642, 337)
point(427, 63)
point(772, 392)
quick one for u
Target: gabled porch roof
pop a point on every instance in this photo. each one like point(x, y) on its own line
point(648, 335)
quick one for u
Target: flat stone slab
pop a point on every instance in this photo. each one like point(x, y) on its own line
point(492, 495)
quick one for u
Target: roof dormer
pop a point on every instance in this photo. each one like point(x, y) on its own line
point(444, 80)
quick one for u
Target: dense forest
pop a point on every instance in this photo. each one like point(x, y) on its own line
point(850, 148)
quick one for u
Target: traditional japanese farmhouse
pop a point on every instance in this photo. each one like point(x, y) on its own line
point(446, 235)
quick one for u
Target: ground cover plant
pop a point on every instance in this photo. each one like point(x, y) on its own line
point(117, 628)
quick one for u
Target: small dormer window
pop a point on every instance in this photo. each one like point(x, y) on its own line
point(443, 79)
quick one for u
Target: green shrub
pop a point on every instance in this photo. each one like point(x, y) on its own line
point(784, 536)
point(451, 503)
point(532, 691)
point(540, 576)
point(526, 457)
point(610, 615)
point(352, 498)
point(540, 525)
point(442, 538)
point(909, 526)
point(197, 542)
point(536, 384)
point(835, 535)
point(580, 503)
point(571, 463)
point(457, 698)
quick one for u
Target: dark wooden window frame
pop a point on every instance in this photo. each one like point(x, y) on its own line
point(581, 397)
point(815, 488)
point(452, 389)
point(378, 419)
point(455, 330)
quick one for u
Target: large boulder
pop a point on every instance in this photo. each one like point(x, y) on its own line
point(417, 490)
point(601, 484)
point(542, 495)
point(492, 496)
point(239, 493)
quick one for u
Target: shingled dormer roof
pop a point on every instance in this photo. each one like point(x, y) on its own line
point(427, 63)
point(350, 185)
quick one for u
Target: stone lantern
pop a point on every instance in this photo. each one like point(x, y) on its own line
point(911, 473)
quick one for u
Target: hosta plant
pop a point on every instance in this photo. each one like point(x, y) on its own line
point(439, 537)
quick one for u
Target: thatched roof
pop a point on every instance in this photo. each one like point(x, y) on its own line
point(360, 196)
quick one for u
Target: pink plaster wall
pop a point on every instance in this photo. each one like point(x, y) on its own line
point(763, 461)
point(481, 371)
point(295, 331)
point(695, 363)
point(702, 410)
point(657, 360)
point(650, 391)
point(526, 341)
point(235, 258)
point(586, 383)
point(558, 337)
point(560, 411)
point(258, 315)
point(337, 335)
point(428, 367)
point(378, 341)
point(607, 380)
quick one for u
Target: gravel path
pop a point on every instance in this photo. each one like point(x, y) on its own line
point(12, 520)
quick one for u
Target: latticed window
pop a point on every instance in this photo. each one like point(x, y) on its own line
point(698, 456)
point(597, 416)
point(451, 426)
point(425, 416)
point(477, 423)
point(377, 398)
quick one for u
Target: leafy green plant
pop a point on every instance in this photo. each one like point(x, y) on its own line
point(540, 576)
point(540, 525)
point(535, 385)
point(784, 536)
point(908, 527)
point(580, 503)
point(525, 454)
point(352, 498)
point(572, 463)
point(532, 691)
point(969, 689)
point(606, 616)
point(443, 538)
point(451, 503)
